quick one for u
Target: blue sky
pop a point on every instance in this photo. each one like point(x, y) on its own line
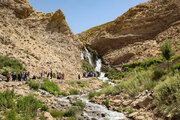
point(84, 14)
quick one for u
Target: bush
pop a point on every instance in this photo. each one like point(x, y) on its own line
point(7, 100)
point(14, 64)
point(93, 94)
point(79, 104)
point(50, 87)
point(44, 108)
point(133, 85)
point(70, 113)
point(86, 66)
point(63, 93)
point(107, 103)
point(157, 74)
point(56, 113)
point(28, 106)
point(177, 66)
point(73, 92)
point(33, 85)
point(167, 95)
point(166, 49)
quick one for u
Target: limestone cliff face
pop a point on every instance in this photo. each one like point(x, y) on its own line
point(135, 35)
point(40, 41)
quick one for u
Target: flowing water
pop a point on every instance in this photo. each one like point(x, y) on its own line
point(92, 110)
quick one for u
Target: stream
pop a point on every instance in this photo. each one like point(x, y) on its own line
point(93, 111)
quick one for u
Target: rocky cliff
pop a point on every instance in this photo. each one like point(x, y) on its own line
point(40, 41)
point(137, 34)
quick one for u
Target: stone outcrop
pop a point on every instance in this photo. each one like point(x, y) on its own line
point(137, 34)
point(40, 41)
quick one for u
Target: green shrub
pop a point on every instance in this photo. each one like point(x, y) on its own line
point(166, 49)
point(157, 74)
point(70, 113)
point(57, 114)
point(79, 104)
point(11, 115)
point(73, 92)
point(7, 100)
point(93, 94)
point(54, 75)
point(81, 83)
point(50, 87)
point(33, 85)
point(86, 66)
point(28, 106)
point(63, 93)
point(107, 103)
point(167, 95)
point(177, 66)
point(14, 64)
point(133, 85)
point(44, 108)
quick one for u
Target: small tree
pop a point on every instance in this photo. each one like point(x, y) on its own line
point(167, 51)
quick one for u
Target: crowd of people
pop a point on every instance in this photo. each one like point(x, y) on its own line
point(90, 74)
point(51, 75)
point(20, 76)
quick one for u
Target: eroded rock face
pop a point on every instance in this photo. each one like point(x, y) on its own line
point(135, 35)
point(40, 41)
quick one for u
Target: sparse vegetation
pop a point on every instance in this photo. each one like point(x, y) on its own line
point(73, 92)
point(10, 65)
point(107, 103)
point(50, 87)
point(87, 66)
point(18, 107)
point(58, 114)
point(63, 93)
point(33, 85)
point(79, 104)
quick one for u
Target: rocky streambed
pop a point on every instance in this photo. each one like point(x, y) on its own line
point(92, 111)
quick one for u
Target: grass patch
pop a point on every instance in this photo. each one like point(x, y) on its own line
point(17, 107)
point(73, 92)
point(63, 93)
point(93, 94)
point(33, 85)
point(86, 66)
point(13, 65)
point(167, 95)
point(79, 104)
point(157, 74)
point(58, 114)
point(50, 87)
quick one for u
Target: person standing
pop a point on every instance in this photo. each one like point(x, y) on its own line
point(51, 74)
point(8, 77)
point(79, 77)
point(19, 76)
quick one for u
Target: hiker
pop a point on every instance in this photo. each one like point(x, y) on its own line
point(28, 76)
point(84, 74)
point(58, 75)
point(41, 73)
point(19, 76)
point(63, 76)
point(8, 77)
point(14, 76)
point(79, 77)
point(48, 75)
point(34, 77)
point(51, 74)
point(23, 76)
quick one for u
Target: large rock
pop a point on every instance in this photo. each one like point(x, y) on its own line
point(135, 35)
point(38, 40)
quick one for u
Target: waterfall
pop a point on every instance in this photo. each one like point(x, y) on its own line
point(98, 64)
point(89, 56)
point(82, 55)
point(98, 69)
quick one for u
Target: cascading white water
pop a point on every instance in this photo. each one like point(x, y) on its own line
point(89, 56)
point(98, 69)
point(82, 55)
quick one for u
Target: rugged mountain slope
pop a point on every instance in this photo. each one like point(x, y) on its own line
point(40, 41)
point(137, 34)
